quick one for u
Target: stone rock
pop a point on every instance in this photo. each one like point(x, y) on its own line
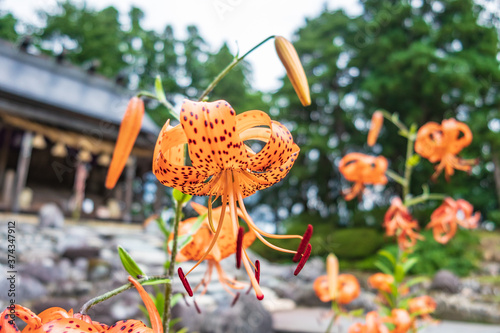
point(365, 301)
point(45, 271)
point(50, 216)
point(247, 315)
point(460, 307)
point(99, 269)
point(26, 288)
point(81, 252)
point(45, 303)
point(446, 281)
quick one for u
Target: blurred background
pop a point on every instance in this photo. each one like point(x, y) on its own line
point(67, 69)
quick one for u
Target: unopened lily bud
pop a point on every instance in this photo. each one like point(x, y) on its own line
point(375, 127)
point(290, 59)
point(129, 131)
point(332, 272)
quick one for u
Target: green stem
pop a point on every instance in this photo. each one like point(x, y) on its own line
point(334, 317)
point(228, 68)
point(164, 102)
point(109, 294)
point(167, 314)
point(394, 118)
point(397, 178)
point(424, 197)
point(408, 166)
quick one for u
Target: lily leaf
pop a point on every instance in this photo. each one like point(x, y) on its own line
point(129, 263)
point(383, 267)
point(160, 94)
point(409, 264)
point(180, 197)
point(154, 282)
point(388, 255)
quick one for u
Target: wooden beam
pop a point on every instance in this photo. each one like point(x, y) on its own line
point(129, 178)
point(4, 153)
point(23, 164)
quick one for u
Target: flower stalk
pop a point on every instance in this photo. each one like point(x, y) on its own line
point(99, 299)
point(228, 68)
point(167, 314)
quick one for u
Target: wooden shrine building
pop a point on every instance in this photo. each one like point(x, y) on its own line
point(58, 127)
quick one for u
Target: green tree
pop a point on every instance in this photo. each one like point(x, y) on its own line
point(425, 60)
point(8, 26)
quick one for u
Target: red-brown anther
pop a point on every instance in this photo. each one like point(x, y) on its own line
point(185, 282)
point(303, 260)
point(235, 299)
point(257, 270)
point(239, 246)
point(303, 243)
point(196, 306)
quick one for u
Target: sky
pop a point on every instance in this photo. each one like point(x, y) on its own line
point(240, 23)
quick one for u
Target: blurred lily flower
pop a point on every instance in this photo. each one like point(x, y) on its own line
point(343, 288)
point(294, 70)
point(381, 281)
point(58, 320)
point(222, 165)
point(362, 170)
point(374, 324)
point(422, 306)
point(375, 127)
point(399, 222)
point(441, 143)
point(225, 246)
point(402, 321)
point(445, 218)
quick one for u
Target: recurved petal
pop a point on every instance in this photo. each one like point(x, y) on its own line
point(276, 152)
point(321, 288)
point(212, 137)
point(187, 179)
point(9, 326)
point(154, 316)
point(457, 135)
point(132, 326)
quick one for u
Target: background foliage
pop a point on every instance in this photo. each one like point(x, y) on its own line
point(426, 60)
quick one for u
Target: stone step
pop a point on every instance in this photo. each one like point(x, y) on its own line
point(315, 320)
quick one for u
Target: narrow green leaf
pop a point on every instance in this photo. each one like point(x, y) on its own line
point(409, 264)
point(356, 313)
point(388, 255)
point(417, 280)
point(175, 299)
point(154, 282)
point(129, 264)
point(383, 267)
point(162, 225)
point(180, 197)
point(160, 94)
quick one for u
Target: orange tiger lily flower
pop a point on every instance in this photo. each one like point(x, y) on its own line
point(399, 222)
point(401, 319)
point(58, 320)
point(441, 143)
point(128, 133)
point(362, 170)
point(376, 126)
point(444, 219)
point(222, 165)
point(374, 324)
point(225, 246)
point(343, 288)
point(422, 306)
point(381, 281)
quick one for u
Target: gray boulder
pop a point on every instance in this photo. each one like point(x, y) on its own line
point(50, 216)
point(446, 281)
